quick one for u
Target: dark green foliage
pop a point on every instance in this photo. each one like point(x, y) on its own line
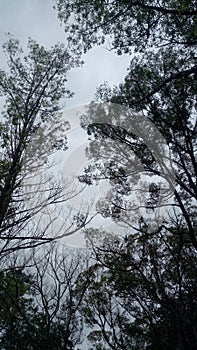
point(142, 294)
point(37, 311)
point(131, 25)
point(160, 84)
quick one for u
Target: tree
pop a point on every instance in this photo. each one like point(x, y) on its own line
point(142, 289)
point(122, 155)
point(161, 85)
point(14, 287)
point(32, 130)
point(39, 308)
point(142, 293)
point(129, 24)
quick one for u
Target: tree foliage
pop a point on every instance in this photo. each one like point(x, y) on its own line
point(139, 292)
point(142, 288)
point(31, 129)
point(142, 293)
point(121, 153)
point(130, 25)
point(38, 305)
point(160, 84)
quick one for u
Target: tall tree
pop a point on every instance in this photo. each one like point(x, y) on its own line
point(131, 158)
point(161, 84)
point(31, 129)
point(142, 290)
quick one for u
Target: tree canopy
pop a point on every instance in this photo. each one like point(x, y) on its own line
point(136, 291)
point(31, 129)
point(138, 297)
point(129, 25)
point(161, 38)
point(38, 305)
point(141, 293)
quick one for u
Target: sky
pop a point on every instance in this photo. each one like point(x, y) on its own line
point(37, 19)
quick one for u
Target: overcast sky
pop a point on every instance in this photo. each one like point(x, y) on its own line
point(37, 19)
